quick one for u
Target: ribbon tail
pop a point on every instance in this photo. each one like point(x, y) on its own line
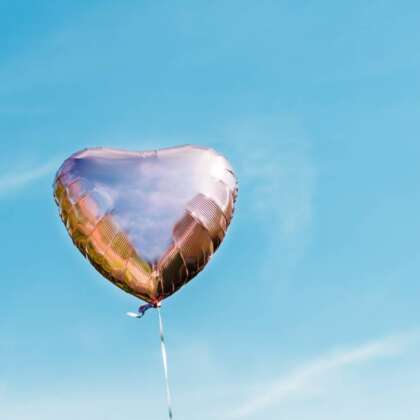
point(144, 308)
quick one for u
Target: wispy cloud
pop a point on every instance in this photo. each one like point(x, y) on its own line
point(17, 178)
point(277, 175)
point(275, 165)
point(309, 375)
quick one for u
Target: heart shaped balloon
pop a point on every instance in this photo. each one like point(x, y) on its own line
point(147, 221)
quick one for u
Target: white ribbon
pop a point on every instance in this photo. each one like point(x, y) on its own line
point(165, 364)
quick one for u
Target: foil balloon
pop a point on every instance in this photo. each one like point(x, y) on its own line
point(147, 221)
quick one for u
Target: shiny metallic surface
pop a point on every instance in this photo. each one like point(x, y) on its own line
point(147, 221)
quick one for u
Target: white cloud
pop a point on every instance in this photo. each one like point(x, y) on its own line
point(277, 175)
point(17, 179)
point(274, 163)
point(141, 391)
point(306, 378)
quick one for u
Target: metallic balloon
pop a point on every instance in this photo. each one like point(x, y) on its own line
point(147, 221)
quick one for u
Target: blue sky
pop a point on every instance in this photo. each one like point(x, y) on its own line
point(309, 310)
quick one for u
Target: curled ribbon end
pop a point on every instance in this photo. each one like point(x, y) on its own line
point(142, 310)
